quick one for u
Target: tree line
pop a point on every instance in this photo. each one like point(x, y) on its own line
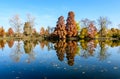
point(85, 28)
point(70, 28)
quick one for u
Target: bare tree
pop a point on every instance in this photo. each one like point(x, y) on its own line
point(16, 52)
point(31, 20)
point(103, 23)
point(16, 23)
point(86, 22)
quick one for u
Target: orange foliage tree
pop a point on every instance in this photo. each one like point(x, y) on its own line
point(60, 48)
point(71, 50)
point(10, 43)
point(2, 44)
point(34, 31)
point(10, 32)
point(42, 31)
point(92, 30)
point(71, 26)
point(46, 32)
point(60, 30)
point(2, 32)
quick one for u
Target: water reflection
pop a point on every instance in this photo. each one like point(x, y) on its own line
point(60, 48)
point(88, 48)
point(85, 49)
point(71, 50)
point(16, 52)
point(64, 49)
point(44, 43)
point(91, 46)
point(103, 53)
point(2, 43)
point(29, 46)
point(10, 43)
point(47, 59)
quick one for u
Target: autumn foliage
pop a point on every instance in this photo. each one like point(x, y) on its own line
point(28, 46)
point(64, 29)
point(34, 31)
point(10, 43)
point(60, 28)
point(2, 44)
point(71, 25)
point(60, 47)
point(27, 28)
point(92, 31)
point(10, 32)
point(69, 29)
point(2, 32)
point(69, 48)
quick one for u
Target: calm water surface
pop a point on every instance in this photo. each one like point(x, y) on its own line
point(60, 60)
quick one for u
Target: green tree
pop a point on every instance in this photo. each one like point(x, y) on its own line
point(83, 33)
point(78, 27)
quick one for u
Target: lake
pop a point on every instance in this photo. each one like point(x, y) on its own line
point(59, 60)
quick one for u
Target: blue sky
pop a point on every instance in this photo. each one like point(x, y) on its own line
point(48, 11)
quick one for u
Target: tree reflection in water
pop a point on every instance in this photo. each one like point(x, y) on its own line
point(44, 43)
point(10, 43)
point(60, 48)
point(69, 48)
point(16, 53)
point(103, 54)
point(2, 44)
point(28, 48)
point(88, 48)
point(91, 45)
